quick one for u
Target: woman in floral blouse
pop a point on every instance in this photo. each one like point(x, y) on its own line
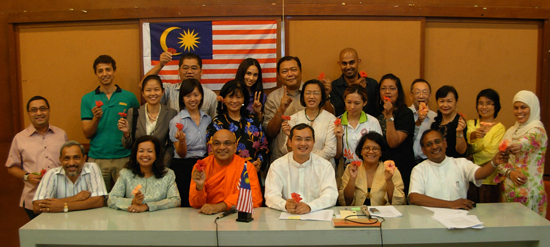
point(233, 115)
point(522, 175)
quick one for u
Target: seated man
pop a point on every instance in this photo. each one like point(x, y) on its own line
point(302, 172)
point(442, 181)
point(76, 185)
point(214, 189)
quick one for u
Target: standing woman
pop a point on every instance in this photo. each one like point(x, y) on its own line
point(449, 123)
point(233, 116)
point(190, 141)
point(313, 97)
point(522, 175)
point(250, 73)
point(397, 122)
point(152, 118)
point(484, 136)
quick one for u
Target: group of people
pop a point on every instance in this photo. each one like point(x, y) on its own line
point(351, 141)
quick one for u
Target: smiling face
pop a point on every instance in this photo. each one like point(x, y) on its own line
point(447, 105)
point(290, 74)
point(349, 64)
point(39, 113)
point(420, 93)
point(190, 68)
point(72, 161)
point(146, 154)
point(251, 76)
point(152, 92)
point(354, 104)
point(192, 100)
point(234, 101)
point(434, 147)
point(105, 73)
point(301, 143)
point(312, 96)
point(224, 146)
point(485, 107)
point(388, 88)
point(371, 152)
point(522, 112)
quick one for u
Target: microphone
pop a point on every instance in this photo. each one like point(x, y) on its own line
point(232, 210)
point(365, 210)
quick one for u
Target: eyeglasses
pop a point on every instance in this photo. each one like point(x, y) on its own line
point(35, 110)
point(430, 144)
point(192, 68)
point(418, 93)
point(316, 93)
point(373, 149)
point(225, 143)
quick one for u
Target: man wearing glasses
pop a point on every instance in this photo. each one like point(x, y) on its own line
point(421, 91)
point(213, 186)
point(35, 149)
point(190, 66)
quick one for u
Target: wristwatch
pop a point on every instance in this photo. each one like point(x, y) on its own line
point(389, 120)
point(26, 177)
point(460, 135)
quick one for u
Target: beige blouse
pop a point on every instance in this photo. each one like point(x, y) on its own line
point(378, 193)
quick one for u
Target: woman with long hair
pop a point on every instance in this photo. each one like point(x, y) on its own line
point(250, 73)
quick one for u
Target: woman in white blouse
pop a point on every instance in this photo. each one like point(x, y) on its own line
point(313, 96)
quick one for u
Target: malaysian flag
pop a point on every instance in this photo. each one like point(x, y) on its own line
point(244, 204)
point(222, 45)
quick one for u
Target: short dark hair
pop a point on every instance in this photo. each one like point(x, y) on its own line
point(376, 137)
point(421, 80)
point(190, 55)
point(426, 133)
point(301, 126)
point(358, 89)
point(151, 77)
point(400, 101)
point(37, 98)
point(159, 168)
point(232, 88)
point(492, 95)
point(106, 59)
point(288, 58)
point(443, 91)
point(187, 86)
point(323, 92)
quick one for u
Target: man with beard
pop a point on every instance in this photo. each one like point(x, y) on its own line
point(76, 185)
point(349, 64)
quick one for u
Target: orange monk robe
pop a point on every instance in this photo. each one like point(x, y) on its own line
point(221, 183)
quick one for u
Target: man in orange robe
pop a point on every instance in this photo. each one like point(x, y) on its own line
point(214, 189)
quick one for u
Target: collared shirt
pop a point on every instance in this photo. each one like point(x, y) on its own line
point(351, 137)
point(418, 130)
point(171, 98)
point(195, 135)
point(337, 96)
point(484, 149)
point(150, 126)
point(314, 180)
point(33, 152)
point(447, 180)
point(271, 105)
point(56, 184)
point(105, 144)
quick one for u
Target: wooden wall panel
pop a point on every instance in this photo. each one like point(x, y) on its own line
point(57, 63)
point(475, 56)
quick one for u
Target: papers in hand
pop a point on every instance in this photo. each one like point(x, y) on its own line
point(322, 215)
point(455, 218)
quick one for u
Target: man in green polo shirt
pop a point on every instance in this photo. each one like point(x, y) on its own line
point(99, 112)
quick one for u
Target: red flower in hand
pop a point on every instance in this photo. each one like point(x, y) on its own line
point(337, 122)
point(171, 50)
point(137, 189)
point(285, 117)
point(321, 76)
point(462, 115)
point(42, 172)
point(357, 163)
point(123, 114)
point(386, 98)
point(200, 165)
point(504, 145)
point(98, 103)
point(297, 198)
point(179, 126)
point(363, 74)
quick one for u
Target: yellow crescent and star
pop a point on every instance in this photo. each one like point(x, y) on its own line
point(188, 39)
point(246, 180)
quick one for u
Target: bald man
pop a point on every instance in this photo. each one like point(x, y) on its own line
point(349, 64)
point(214, 189)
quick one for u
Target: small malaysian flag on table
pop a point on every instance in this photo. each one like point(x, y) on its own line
point(244, 204)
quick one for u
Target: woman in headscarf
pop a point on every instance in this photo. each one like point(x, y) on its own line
point(527, 141)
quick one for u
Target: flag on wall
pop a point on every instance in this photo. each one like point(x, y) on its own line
point(244, 204)
point(222, 45)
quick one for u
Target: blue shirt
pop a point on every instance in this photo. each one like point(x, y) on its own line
point(195, 136)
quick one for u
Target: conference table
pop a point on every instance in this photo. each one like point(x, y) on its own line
point(506, 224)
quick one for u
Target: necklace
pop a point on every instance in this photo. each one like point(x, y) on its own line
point(319, 112)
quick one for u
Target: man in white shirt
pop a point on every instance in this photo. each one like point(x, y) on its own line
point(76, 185)
point(421, 91)
point(302, 172)
point(442, 181)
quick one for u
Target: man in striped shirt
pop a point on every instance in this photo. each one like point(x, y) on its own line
point(76, 185)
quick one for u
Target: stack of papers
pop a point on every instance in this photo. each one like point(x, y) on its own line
point(322, 215)
point(455, 218)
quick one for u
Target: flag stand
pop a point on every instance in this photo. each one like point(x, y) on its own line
point(244, 217)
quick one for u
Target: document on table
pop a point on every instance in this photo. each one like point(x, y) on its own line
point(322, 215)
point(386, 212)
point(455, 218)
